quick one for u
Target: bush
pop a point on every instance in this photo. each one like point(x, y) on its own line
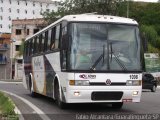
point(7, 108)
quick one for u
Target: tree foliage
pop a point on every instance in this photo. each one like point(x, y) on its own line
point(147, 14)
point(104, 7)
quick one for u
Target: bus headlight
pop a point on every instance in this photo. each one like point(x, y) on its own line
point(133, 82)
point(79, 82)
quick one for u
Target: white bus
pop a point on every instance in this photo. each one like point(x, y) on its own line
point(85, 59)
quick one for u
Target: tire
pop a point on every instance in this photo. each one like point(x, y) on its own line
point(32, 93)
point(153, 88)
point(117, 105)
point(60, 103)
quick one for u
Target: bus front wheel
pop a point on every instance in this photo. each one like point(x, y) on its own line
point(117, 105)
point(60, 103)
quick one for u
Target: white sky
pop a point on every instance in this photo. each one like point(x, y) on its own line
point(147, 0)
point(130, 0)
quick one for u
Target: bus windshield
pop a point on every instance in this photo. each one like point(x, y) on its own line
point(104, 47)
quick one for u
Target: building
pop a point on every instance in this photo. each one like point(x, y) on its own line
point(22, 9)
point(20, 30)
point(5, 56)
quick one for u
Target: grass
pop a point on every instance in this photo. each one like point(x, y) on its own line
point(7, 108)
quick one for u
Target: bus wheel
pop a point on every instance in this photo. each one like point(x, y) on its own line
point(32, 93)
point(117, 105)
point(61, 104)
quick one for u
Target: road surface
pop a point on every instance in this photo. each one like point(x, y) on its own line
point(43, 108)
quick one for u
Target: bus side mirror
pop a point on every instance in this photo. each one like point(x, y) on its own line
point(65, 41)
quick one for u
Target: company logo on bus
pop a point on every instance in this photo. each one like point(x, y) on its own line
point(108, 82)
point(84, 76)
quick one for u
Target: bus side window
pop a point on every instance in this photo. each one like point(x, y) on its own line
point(25, 47)
point(46, 41)
point(57, 37)
point(35, 45)
point(29, 47)
point(32, 48)
point(52, 45)
point(49, 39)
point(42, 43)
point(38, 45)
point(64, 52)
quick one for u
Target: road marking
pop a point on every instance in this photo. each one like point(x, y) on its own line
point(35, 108)
point(17, 111)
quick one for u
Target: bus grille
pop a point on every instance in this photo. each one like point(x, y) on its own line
point(106, 95)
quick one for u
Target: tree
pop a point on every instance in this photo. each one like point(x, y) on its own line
point(104, 7)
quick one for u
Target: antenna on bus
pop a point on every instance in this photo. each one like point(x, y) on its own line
point(92, 13)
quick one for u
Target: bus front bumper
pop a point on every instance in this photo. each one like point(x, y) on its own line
point(87, 94)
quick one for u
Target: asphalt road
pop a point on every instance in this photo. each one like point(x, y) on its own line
point(150, 104)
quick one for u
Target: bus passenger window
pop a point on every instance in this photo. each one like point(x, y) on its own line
point(49, 39)
point(52, 45)
point(57, 36)
point(35, 45)
point(46, 41)
point(42, 44)
point(38, 45)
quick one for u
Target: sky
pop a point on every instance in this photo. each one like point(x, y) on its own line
point(130, 0)
point(147, 0)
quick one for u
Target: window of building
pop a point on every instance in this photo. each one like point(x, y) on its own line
point(33, 3)
point(33, 12)
point(17, 18)
point(1, 18)
point(9, 26)
point(35, 31)
point(26, 3)
point(1, 1)
point(26, 11)
point(19, 61)
point(9, 10)
point(47, 10)
point(17, 47)
point(1, 9)
point(18, 2)
point(41, 4)
point(27, 31)
point(18, 10)
point(0, 25)
point(10, 1)
point(9, 18)
point(18, 31)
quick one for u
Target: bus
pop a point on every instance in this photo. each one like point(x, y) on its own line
point(85, 59)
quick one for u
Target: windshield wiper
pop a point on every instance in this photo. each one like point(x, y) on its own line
point(117, 59)
point(99, 59)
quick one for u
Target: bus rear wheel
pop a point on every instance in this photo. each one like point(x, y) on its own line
point(117, 105)
point(60, 103)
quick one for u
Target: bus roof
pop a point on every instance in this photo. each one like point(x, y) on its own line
point(91, 18)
